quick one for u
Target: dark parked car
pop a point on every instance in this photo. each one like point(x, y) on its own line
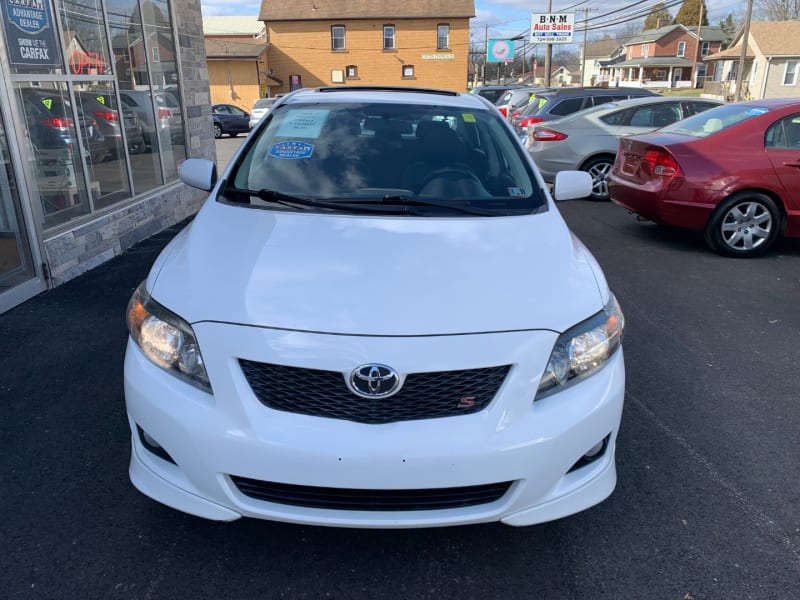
point(732, 172)
point(229, 119)
point(556, 103)
point(52, 129)
point(102, 105)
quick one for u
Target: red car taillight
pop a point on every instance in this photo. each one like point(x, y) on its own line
point(548, 135)
point(503, 111)
point(58, 123)
point(164, 113)
point(661, 162)
point(106, 115)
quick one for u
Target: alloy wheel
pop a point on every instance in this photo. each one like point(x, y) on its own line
point(746, 226)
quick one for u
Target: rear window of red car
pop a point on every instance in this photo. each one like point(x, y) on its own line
point(715, 120)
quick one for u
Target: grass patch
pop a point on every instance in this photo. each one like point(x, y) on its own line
point(689, 92)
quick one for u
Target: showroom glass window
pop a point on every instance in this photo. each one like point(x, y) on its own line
point(90, 150)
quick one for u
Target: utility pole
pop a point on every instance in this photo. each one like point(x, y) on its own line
point(585, 12)
point(548, 51)
point(485, 53)
point(743, 55)
point(699, 42)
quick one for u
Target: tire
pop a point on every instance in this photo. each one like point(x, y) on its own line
point(599, 167)
point(744, 225)
point(217, 131)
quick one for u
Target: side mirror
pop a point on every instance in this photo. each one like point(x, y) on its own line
point(570, 185)
point(198, 173)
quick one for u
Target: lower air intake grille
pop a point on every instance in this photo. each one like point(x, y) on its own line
point(378, 500)
point(325, 393)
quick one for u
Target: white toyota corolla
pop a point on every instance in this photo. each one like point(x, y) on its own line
point(377, 319)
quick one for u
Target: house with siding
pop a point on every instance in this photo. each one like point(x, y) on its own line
point(598, 59)
point(669, 56)
point(236, 50)
point(421, 43)
point(771, 63)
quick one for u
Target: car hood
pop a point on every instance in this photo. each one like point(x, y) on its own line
point(378, 275)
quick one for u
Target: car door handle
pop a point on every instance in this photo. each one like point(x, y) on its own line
point(796, 165)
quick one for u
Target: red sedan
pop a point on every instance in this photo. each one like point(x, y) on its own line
point(732, 172)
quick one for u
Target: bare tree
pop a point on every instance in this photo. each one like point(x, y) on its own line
point(630, 30)
point(777, 10)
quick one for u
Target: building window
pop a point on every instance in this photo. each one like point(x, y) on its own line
point(408, 71)
point(754, 71)
point(645, 50)
point(351, 71)
point(705, 49)
point(790, 73)
point(442, 36)
point(388, 37)
point(337, 37)
point(681, 48)
point(97, 86)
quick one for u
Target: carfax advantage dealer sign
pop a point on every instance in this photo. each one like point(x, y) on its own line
point(30, 33)
point(552, 28)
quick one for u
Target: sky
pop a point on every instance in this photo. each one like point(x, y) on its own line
point(508, 18)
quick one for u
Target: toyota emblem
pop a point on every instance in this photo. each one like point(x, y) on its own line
point(374, 381)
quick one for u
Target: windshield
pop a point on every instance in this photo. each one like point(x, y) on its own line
point(428, 156)
point(714, 120)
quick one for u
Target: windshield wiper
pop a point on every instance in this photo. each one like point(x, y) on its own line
point(294, 201)
point(404, 200)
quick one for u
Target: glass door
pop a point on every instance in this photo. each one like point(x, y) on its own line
point(18, 279)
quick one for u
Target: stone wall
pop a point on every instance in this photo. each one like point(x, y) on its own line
point(71, 253)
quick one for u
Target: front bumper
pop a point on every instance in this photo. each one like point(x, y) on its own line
point(533, 445)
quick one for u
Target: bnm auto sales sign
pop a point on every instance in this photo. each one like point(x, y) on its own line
point(30, 35)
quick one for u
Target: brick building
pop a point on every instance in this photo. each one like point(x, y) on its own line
point(100, 103)
point(670, 56)
point(422, 43)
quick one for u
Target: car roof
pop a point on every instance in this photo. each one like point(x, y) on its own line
point(394, 95)
point(772, 102)
point(656, 100)
point(598, 91)
point(601, 110)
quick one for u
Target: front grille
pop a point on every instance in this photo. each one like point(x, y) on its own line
point(325, 393)
point(356, 499)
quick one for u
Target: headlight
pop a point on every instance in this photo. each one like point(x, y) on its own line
point(583, 350)
point(166, 339)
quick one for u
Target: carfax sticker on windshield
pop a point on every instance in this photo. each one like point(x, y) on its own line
point(515, 192)
point(305, 123)
point(291, 150)
point(753, 112)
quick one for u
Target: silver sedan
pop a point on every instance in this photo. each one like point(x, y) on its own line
point(588, 140)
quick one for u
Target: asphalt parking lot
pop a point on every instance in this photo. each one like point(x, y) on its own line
point(707, 505)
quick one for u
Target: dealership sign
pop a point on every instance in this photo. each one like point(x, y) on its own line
point(500, 51)
point(552, 28)
point(30, 36)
